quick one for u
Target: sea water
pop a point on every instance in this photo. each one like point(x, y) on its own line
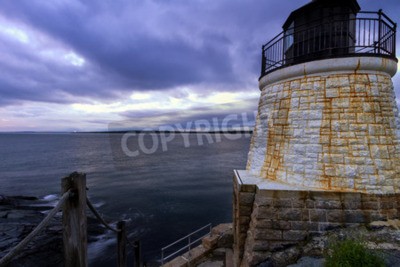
point(173, 187)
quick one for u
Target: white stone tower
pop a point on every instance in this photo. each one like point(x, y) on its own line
point(327, 129)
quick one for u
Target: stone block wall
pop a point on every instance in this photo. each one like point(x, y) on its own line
point(243, 196)
point(284, 218)
point(329, 130)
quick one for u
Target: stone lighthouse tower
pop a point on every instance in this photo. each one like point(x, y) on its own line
point(325, 151)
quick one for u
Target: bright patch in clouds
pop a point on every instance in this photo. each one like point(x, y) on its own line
point(14, 33)
point(74, 59)
point(39, 43)
point(140, 96)
point(163, 102)
point(217, 98)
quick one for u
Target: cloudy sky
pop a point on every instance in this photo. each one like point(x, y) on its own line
point(71, 65)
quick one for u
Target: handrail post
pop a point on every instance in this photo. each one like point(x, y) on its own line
point(138, 254)
point(74, 221)
point(121, 244)
point(394, 39)
point(263, 61)
point(379, 30)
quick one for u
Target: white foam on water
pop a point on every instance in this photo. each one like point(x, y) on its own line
point(51, 197)
point(99, 204)
point(95, 249)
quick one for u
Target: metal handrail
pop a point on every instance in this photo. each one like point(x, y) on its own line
point(188, 246)
point(370, 34)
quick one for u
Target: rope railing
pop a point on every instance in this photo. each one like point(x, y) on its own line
point(98, 216)
point(120, 231)
point(73, 203)
point(14, 251)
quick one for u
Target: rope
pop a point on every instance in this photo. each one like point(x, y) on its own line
point(129, 242)
point(98, 216)
point(35, 231)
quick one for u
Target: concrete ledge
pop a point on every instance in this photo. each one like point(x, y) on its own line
point(337, 65)
point(246, 180)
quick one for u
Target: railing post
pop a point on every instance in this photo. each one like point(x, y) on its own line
point(138, 254)
point(379, 30)
point(394, 39)
point(74, 221)
point(263, 62)
point(121, 246)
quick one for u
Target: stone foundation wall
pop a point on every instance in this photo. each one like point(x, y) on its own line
point(330, 130)
point(279, 218)
point(243, 196)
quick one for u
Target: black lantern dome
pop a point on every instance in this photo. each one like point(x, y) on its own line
point(311, 33)
point(320, 10)
point(325, 29)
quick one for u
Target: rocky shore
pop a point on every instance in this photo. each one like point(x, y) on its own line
point(380, 237)
point(19, 215)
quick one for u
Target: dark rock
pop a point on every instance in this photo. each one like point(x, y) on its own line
point(5, 200)
point(267, 263)
point(286, 257)
point(35, 207)
point(19, 215)
point(309, 262)
point(24, 197)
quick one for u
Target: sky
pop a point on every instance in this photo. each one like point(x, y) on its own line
point(69, 65)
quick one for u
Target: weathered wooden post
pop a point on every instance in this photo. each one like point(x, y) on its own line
point(121, 244)
point(138, 254)
point(74, 220)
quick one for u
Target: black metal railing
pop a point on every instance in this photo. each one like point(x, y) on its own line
point(368, 34)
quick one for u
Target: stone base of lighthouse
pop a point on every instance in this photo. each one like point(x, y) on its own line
point(270, 216)
point(330, 124)
point(325, 153)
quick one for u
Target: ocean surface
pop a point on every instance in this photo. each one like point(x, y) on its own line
point(164, 185)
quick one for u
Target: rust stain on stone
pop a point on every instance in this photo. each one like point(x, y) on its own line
point(358, 66)
point(346, 124)
point(384, 63)
point(276, 138)
point(326, 141)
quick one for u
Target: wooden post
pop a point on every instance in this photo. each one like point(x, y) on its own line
point(122, 256)
point(138, 254)
point(74, 221)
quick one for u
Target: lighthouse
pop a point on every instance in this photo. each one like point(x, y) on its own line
point(325, 151)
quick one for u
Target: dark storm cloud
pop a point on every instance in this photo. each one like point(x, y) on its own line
point(158, 45)
point(142, 45)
